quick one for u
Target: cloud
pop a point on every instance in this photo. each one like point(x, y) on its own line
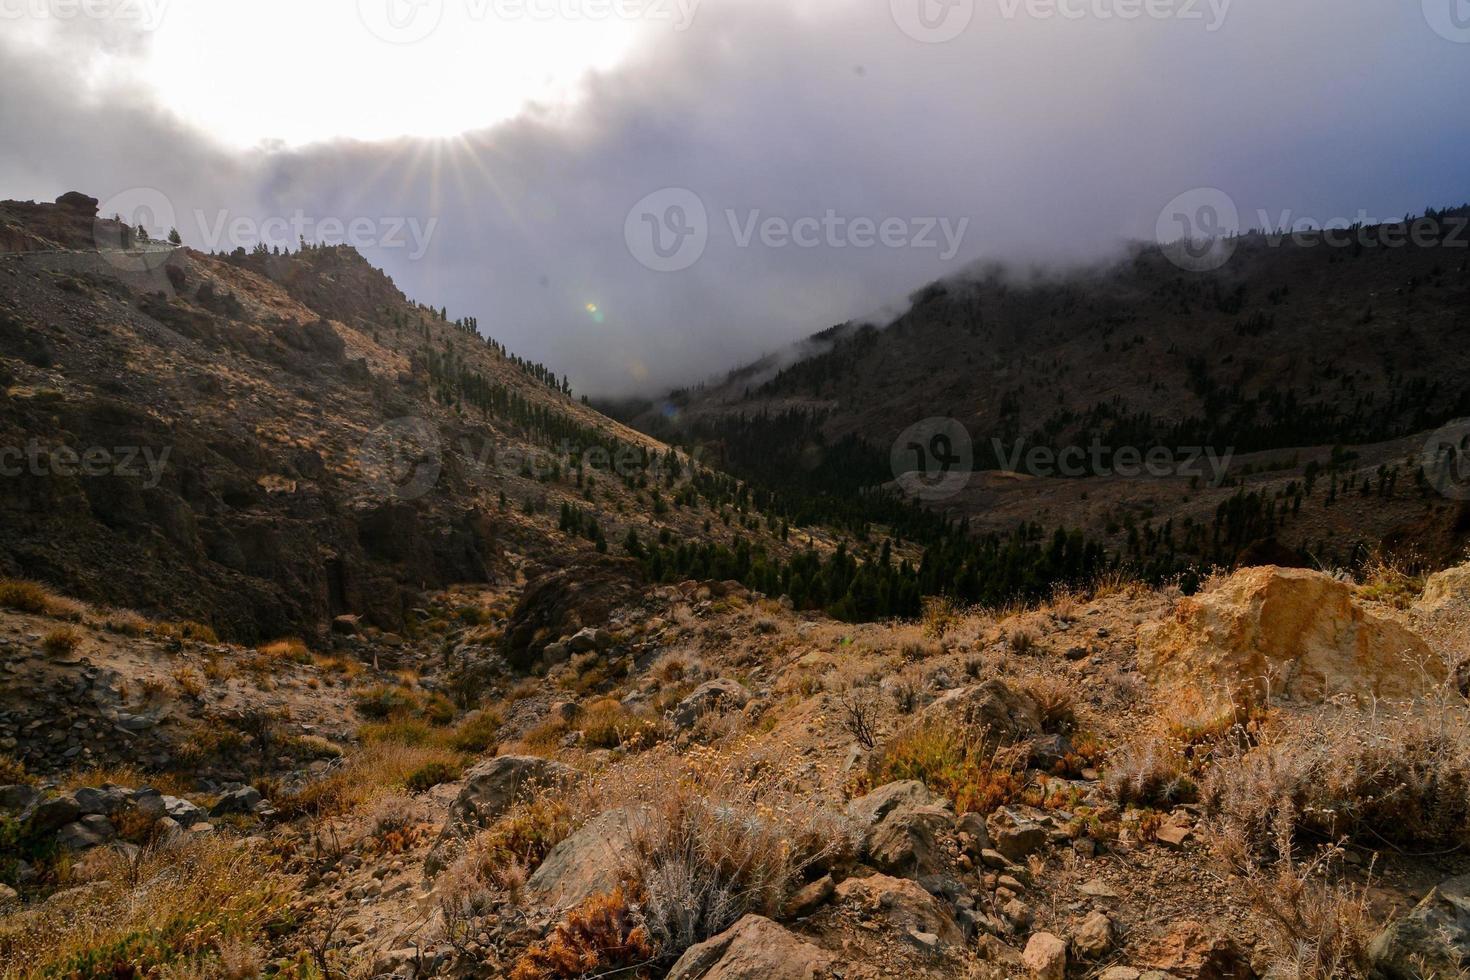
point(802, 124)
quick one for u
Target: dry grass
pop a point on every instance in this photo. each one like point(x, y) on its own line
point(184, 908)
point(288, 650)
point(26, 596)
point(186, 629)
point(378, 769)
point(63, 641)
point(1391, 773)
point(1319, 929)
point(1395, 581)
point(718, 834)
point(939, 617)
point(124, 622)
point(968, 768)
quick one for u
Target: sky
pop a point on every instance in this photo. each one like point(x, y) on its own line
point(645, 193)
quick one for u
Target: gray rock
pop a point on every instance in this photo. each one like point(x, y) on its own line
point(186, 813)
point(105, 800)
point(754, 948)
point(722, 694)
point(588, 862)
point(1433, 939)
point(870, 810)
point(489, 790)
point(77, 836)
point(243, 800)
point(45, 816)
point(1014, 834)
point(17, 797)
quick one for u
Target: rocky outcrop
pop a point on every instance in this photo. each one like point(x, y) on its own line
point(755, 948)
point(717, 695)
point(994, 707)
point(1445, 592)
point(592, 860)
point(564, 602)
point(1431, 940)
point(489, 789)
point(1291, 631)
point(903, 906)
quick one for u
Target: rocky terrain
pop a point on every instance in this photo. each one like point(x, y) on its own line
point(369, 664)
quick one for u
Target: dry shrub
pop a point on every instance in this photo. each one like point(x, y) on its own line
point(288, 650)
point(1319, 930)
point(1053, 696)
point(477, 733)
point(124, 622)
point(1396, 581)
point(186, 630)
point(1149, 771)
point(32, 597)
point(607, 723)
point(858, 715)
point(602, 936)
point(519, 839)
point(1021, 642)
point(940, 615)
point(1397, 773)
point(12, 771)
point(189, 681)
point(376, 769)
point(969, 768)
point(62, 641)
point(176, 908)
point(718, 834)
point(383, 701)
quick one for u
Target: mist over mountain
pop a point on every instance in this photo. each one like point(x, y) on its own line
point(788, 111)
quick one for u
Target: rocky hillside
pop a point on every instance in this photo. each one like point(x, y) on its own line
point(1290, 351)
point(264, 442)
point(1265, 779)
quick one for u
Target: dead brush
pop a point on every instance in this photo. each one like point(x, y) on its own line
point(602, 936)
point(718, 834)
point(1319, 930)
point(1395, 773)
point(858, 716)
point(1053, 696)
point(969, 768)
point(940, 616)
point(1394, 580)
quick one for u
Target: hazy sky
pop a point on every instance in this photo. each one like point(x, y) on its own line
point(643, 192)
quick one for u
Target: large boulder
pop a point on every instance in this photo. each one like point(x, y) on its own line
point(901, 905)
point(1432, 940)
point(754, 948)
point(594, 859)
point(717, 695)
point(1289, 631)
point(564, 602)
point(1445, 592)
point(493, 785)
point(870, 810)
point(906, 842)
point(1007, 714)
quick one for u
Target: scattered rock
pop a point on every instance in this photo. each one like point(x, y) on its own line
point(1433, 939)
point(1094, 937)
point(905, 843)
point(716, 695)
point(243, 800)
point(870, 810)
point(1014, 834)
point(755, 948)
point(809, 898)
point(1045, 956)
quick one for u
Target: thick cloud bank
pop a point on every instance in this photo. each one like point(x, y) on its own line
point(778, 167)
